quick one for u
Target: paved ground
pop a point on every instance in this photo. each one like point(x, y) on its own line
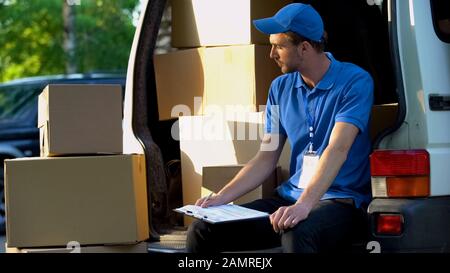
point(2, 243)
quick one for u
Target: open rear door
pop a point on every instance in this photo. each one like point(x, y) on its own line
point(140, 110)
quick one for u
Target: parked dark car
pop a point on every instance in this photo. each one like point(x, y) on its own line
point(19, 135)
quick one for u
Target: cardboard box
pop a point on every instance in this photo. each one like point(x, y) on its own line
point(216, 177)
point(198, 23)
point(91, 200)
point(234, 78)
point(131, 248)
point(80, 119)
point(383, 117)
point(217, 141)
point(179, 78)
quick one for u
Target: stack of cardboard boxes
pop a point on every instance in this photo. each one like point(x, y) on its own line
point(82, 190)
point(216, 83)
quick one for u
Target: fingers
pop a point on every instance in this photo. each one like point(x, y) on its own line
point(272, 221)
point(283, 218)
point(199, 202)
point(294, 222)
point(275, 219)
point(206, 202)
point(291, 222)
point(211, 200)
point(202, 202)
point(286, 221)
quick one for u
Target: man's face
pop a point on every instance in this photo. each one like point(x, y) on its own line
point(284, 53)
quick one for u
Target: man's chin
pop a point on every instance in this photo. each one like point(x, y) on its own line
point(286, 70)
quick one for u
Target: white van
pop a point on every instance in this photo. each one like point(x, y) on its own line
point(410, 165)
point(405, 45)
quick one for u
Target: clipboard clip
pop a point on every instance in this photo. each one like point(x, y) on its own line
point(196, 214)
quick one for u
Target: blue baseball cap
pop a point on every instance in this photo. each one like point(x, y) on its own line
point(299, 18)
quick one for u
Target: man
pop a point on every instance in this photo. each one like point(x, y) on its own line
point(322, 106)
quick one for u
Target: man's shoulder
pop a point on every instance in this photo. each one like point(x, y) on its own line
point(284, 80)
point(354, 71)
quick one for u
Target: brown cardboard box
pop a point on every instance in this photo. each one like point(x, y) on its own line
point(198, 23)
point(80, 119)
point(131, 248)
point(216, 141)
point(383, 117)
point(179, 78)
point(224, 78)
point(216, 177)
point(92, 200)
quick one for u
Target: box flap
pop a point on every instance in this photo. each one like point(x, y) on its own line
point(43, 107)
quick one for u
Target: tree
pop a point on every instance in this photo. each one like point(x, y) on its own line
point(69, 36)
point(32, 36)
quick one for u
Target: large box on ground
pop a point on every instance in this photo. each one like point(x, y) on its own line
point(232, 77)
point(80, 119)
point(216, 177)
point(91, 200)
point(218, 141)
point(72, 248)
point(198, 23)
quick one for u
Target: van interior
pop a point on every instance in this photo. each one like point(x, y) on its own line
point(358, 32)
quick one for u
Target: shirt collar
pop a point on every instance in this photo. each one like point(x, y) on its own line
point(327, 81)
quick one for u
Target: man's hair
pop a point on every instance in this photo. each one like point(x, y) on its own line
point(296, 39)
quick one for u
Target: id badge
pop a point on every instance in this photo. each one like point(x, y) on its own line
point(310, 162)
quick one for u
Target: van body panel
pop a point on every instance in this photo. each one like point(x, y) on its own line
point(425, 227)
point(425, 66)
point(439, 169)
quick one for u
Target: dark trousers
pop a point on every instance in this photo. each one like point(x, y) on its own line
point(330, 226)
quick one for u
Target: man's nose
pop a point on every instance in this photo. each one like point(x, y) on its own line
point(273, 53)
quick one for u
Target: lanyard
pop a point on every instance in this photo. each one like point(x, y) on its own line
point(310, 120)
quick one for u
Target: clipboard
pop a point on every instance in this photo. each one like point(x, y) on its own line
point(222, 213)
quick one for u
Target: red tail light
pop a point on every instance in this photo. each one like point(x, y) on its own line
point(400, 173)
point(400, 162)
point(389, 224)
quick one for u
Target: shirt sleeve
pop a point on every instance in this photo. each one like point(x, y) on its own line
point(273, 123)
point(356, 104)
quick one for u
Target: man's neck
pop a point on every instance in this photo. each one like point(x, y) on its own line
point(314, 73)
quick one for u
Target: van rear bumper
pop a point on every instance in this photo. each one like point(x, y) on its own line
point(426, 225)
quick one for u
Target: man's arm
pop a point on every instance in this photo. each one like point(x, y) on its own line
point(331, 161)
point(252, 174)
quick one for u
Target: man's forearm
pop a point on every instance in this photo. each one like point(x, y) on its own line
point(249, 177)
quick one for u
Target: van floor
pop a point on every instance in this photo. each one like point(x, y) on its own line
point(174, 241)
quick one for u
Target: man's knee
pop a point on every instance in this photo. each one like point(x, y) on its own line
point(197, 236)
point(300, 239)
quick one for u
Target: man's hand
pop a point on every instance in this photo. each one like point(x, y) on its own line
point(211, 200)
point(288, 217)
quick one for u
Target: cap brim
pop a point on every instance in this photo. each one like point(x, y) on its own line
point(268, 26)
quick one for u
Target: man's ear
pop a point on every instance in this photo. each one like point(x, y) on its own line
point(303, 47)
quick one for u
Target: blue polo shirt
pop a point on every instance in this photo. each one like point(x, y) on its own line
point(345, 94)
